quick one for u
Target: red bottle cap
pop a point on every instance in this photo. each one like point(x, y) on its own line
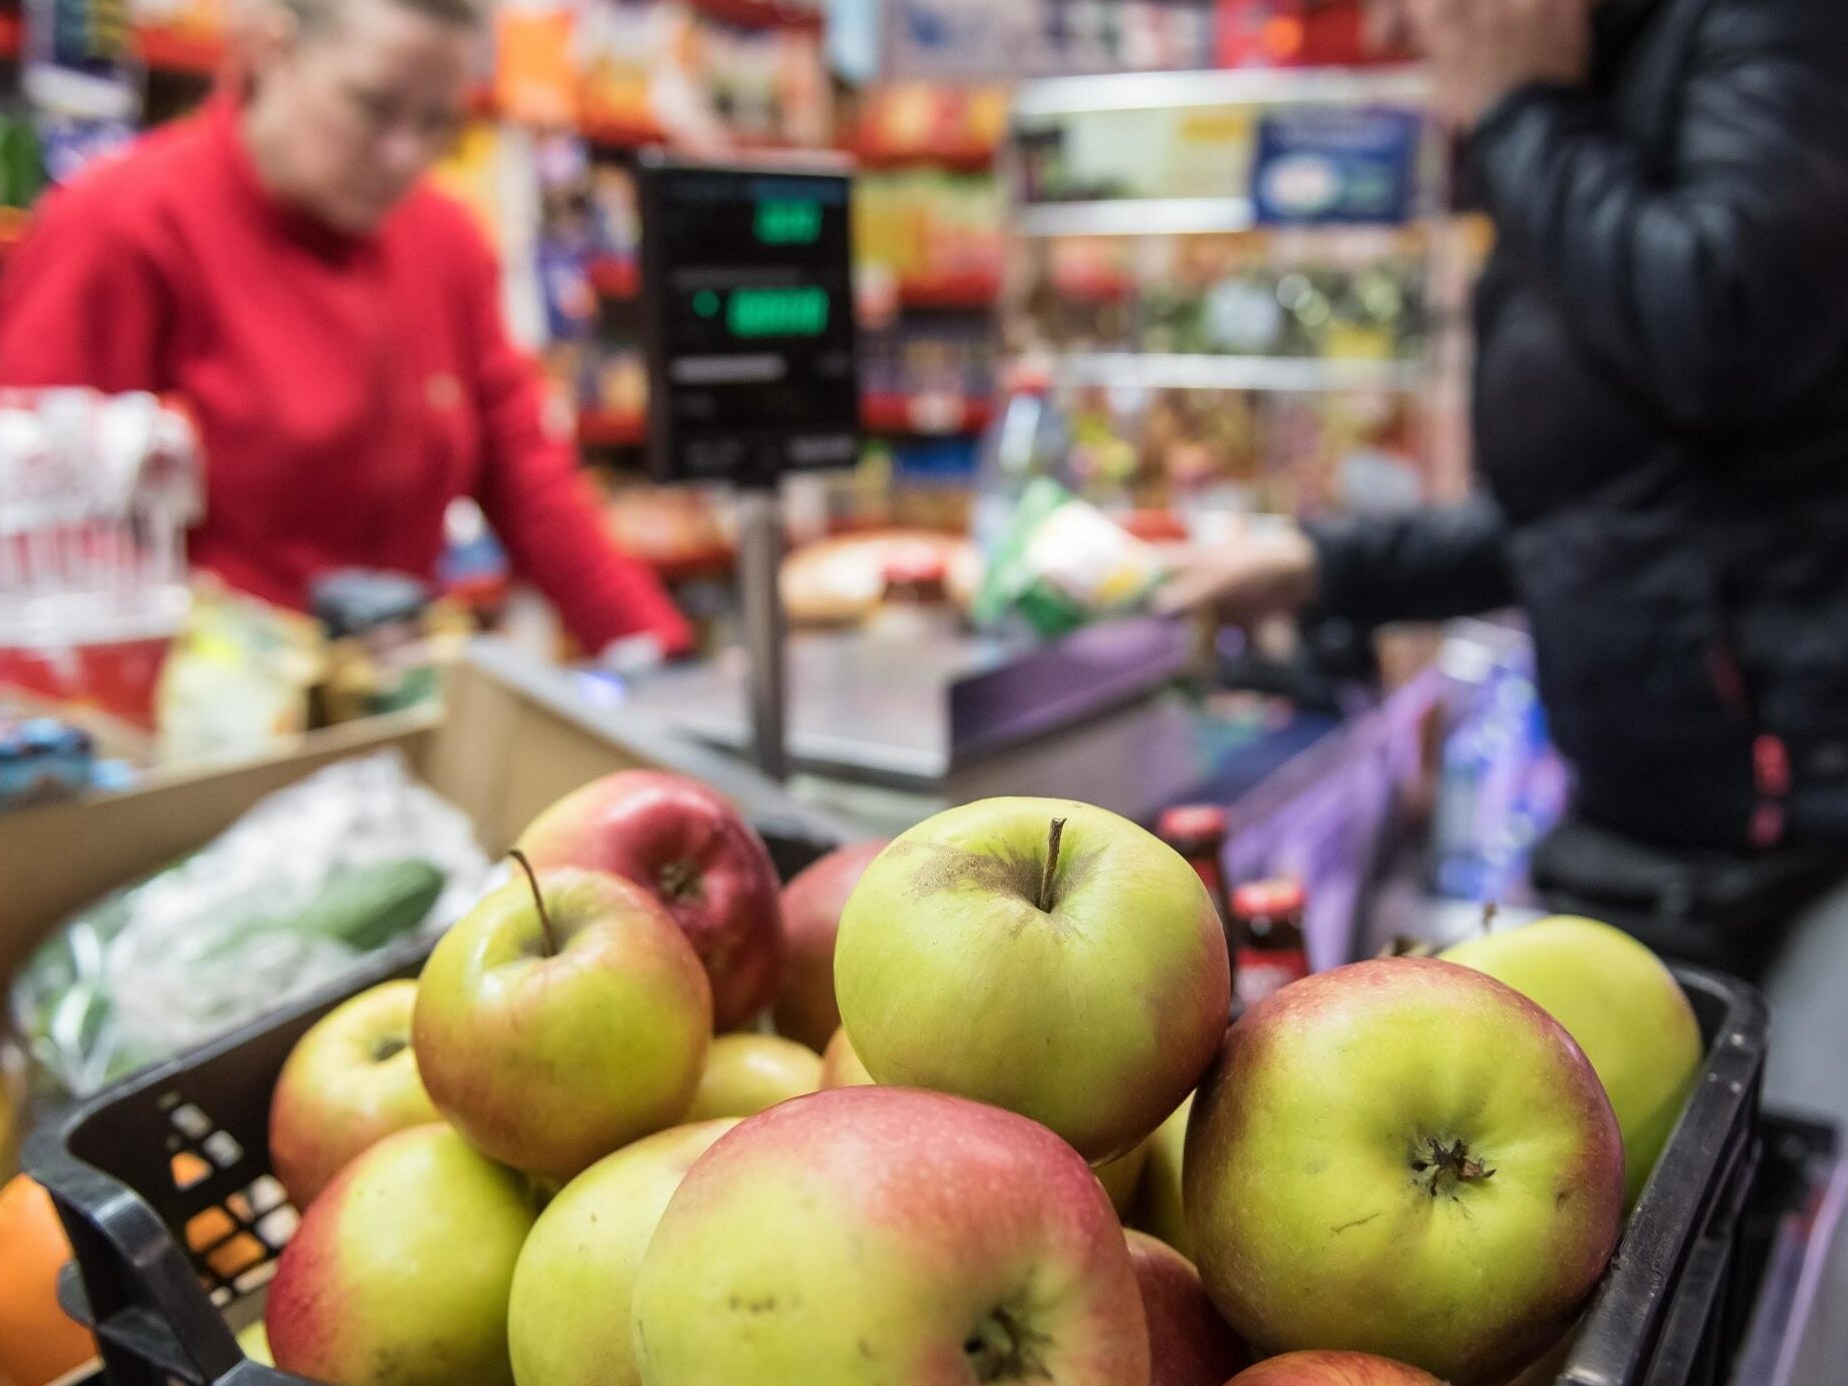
point(1268, 899)
point(1192, 823)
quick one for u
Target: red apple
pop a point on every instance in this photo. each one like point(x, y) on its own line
point(686, 845)
point(349, 1082)
point(1332, 1369)
point(1189, 1344)
point(812, 904)
point(873, 1234)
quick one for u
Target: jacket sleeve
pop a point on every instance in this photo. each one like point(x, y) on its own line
point(542, 506)
point(1429, 565)
point(1710, 286)
point(82, 303)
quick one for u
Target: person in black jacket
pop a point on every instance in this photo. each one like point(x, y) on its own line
point(1661, 423)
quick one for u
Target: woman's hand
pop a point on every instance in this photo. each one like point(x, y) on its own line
point(1253, 577)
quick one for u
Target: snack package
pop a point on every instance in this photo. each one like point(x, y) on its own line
point(1062, 563)
point(349, 860)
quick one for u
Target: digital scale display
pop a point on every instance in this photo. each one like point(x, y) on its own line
point(747, 305)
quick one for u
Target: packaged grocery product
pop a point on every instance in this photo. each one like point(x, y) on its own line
point(1062, 563)
point(312, 877)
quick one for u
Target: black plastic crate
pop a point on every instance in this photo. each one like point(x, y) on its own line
point(1672, 1308)
point(1670, 1311)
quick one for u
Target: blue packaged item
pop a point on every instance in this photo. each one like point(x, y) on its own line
point(42, 758)
point(1319, 166)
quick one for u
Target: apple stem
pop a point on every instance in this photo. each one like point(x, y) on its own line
point(1053, 834)
point(1490, 908)
point(545, 919)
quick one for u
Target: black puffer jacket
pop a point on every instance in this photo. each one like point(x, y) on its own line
point(1661, 415)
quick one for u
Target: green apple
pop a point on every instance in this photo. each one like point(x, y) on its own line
point(747, 1073)
point(1158, 1201)
point(253, 1339)
point(840, 1066)
point(348, 1083)
point(1332, 1369)
point(1189, 1344)
point(1403, 1157)
point(551, 1031)
point(400, 1271)
point(1039, 955)
point(568, 1321)
point(866, 1236)
point(1122, 1176)
point(1623, 1007)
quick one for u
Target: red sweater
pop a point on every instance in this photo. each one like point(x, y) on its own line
point(346, 389)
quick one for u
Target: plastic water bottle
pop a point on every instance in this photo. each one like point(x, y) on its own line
point(1028, 439)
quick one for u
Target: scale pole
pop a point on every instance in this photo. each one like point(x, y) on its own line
point(760, 562)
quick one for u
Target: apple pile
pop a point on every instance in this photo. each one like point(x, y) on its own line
point(555, 1159)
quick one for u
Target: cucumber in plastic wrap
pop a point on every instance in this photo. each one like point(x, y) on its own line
point(65, 1000)
point(364, 907)
point(347, 861)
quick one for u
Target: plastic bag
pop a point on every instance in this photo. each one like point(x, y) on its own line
point(286, 899)
point(1062, 563)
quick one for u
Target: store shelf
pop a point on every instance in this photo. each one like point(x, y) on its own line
point(1148, 216)
point(973, 293)
point(953, 158)
point(928, 415)
point(1282, 375)
point(616, 279)
point(761, 14)
point(610, 428)
point(619, 132)
point(13, 223)
point(185, 51)
point(705, 566)
point(1141, 91)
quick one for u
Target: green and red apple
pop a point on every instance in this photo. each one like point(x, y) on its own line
point(1039, 955)
point(1332, 1369)
point(348, 1083)
point(812, 905)
point(568, 1321)
point(1623, 1007)
point(399, 1273)
point(688, 847)
point(747, 1073)
point(871, 1235)
point(1406, 1158)
point(551, 1031)
point(1122, 1177)
point(840, 1066)
point(1189, 1344)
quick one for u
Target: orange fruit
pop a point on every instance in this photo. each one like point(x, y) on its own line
point(39, 1342)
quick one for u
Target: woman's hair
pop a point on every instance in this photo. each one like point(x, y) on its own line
point(316, 16)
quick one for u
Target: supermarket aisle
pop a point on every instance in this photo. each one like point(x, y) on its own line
point(1808, 1074)
point(1807, 987)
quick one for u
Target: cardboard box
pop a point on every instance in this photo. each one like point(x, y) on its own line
point(513, 737)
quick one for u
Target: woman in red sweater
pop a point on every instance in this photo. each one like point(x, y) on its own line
point(334, 323)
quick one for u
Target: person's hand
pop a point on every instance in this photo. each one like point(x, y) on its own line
point(1481, 50)
point(631, 655)
point(1253, 577)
